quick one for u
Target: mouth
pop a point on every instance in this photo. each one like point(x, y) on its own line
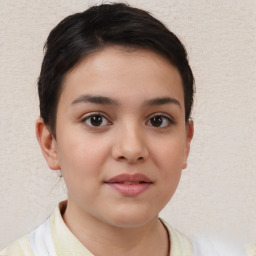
point(130, 184)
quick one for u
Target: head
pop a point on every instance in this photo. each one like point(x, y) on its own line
point(85, 33)
point(116, 92)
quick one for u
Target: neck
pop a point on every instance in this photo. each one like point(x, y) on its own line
point(148, 239)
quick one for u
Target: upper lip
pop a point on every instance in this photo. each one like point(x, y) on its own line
point(129, 178)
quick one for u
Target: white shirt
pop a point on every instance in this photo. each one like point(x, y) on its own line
point(53, 238)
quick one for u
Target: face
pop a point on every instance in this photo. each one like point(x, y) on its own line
point(121, 136)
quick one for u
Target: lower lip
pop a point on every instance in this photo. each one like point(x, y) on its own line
point(130, 189)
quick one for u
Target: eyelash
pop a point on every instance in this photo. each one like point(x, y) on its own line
point(163, 117)
point(167, 119)
point(95, 114)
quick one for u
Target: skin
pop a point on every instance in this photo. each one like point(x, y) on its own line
point(128, 140)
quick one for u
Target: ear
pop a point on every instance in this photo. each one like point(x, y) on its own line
point(47, 143)
point(190, 133)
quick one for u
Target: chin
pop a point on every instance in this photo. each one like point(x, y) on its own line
point(130, 219)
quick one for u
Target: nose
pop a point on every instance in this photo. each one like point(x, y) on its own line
point(130, 145)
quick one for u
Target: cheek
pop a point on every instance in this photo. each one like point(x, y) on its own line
point(169, 155)
point(170, 160)
point(170, 163)
point(82, 160)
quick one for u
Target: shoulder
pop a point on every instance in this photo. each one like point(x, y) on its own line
point(180, 244)
point(205, 245)
point(20, 247)
point(212, 246)
point(251, 250)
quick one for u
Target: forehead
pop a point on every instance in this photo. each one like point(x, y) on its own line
point(124, 73)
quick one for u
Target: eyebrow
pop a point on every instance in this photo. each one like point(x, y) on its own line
point(162, 101)
point(96, 99)
point(102, 100)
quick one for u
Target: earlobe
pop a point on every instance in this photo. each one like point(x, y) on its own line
point(190, 133)
point(47, 143)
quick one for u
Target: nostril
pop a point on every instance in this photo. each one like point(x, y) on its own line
point(139, 158)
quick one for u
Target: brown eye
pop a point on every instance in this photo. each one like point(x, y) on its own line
point(159, 121)
point(96, 120)
point(156, 121)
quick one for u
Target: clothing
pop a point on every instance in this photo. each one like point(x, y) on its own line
point(53, 238)
point(251, 250)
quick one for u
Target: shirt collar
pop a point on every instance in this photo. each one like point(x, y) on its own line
point(66, 244)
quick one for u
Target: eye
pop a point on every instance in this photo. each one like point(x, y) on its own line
point(160, 121)
point(96, 120)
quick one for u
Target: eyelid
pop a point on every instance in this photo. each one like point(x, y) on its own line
point(170, 119)
point(168, 116)
point(96, 113)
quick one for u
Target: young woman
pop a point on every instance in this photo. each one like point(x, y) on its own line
point(116, 92)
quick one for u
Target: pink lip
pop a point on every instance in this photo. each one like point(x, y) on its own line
point(130, 184)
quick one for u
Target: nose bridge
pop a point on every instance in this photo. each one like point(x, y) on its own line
point(130, 142)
